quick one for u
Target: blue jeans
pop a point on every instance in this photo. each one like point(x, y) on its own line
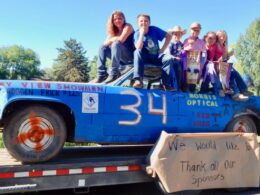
point(117, 52)
point(204, 88)
point(212, 77)
point(236, 83)
point(178, 69)
point(163, 60)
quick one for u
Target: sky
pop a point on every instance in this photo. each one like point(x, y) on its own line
point(44, 25)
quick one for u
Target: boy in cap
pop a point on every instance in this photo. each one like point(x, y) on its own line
point(146, 40)
point(194, 43)
point(175, 49)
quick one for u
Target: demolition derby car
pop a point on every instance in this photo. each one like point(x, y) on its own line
point(37, 117)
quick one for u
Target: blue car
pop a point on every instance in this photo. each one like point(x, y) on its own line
point(39, 116)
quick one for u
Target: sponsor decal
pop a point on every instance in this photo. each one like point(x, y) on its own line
point(202, 100)
point(52, 86)
point(90, 102)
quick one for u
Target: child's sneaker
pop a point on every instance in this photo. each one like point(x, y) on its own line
point(239, 97)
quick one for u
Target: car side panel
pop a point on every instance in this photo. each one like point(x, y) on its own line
point(138, 114)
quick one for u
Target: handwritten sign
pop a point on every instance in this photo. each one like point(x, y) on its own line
point(193, 66)
point(205, 161)
point(224, 74)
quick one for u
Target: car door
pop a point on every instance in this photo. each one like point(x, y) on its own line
point(204, 113)
point(138, 115)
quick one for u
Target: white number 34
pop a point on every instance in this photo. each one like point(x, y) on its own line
point(151, 110)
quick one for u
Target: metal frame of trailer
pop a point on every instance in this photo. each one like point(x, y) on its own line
point(78, 173)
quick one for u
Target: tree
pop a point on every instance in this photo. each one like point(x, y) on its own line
point(48, 74)
point(71, 63)
point(3, 66)
point(248, 52)
point(19, 63)
point(93, 68)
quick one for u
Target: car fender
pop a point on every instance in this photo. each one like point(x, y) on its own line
point(34, 98)
point(248, 112)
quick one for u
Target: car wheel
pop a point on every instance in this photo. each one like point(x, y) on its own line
point(243, 124)
point(34, 134)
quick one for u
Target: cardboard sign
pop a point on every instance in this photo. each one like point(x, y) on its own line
point(193, 66)
point(205, 161)
point(224, 74)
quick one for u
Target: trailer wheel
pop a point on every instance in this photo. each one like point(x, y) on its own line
point(243, 124)
point(34, 134)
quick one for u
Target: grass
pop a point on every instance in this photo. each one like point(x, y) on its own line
point(1, 140)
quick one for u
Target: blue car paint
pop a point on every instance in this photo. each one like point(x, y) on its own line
point(115, 114)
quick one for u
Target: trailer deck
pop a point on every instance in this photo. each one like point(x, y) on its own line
point(76, 167)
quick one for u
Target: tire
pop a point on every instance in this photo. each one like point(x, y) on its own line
point(34, 134)
point(244, 124)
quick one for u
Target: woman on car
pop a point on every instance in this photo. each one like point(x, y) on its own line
point(118, 46)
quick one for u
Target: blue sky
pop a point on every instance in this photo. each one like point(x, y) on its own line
point(43, 25)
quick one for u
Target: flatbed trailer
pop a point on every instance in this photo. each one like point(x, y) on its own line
point(81, 168)
point(76, 168)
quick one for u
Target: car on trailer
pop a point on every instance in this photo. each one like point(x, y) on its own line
point(39, 116)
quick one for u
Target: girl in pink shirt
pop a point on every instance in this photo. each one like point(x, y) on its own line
point(221, 51)
point(210, 72)
point(236, 83)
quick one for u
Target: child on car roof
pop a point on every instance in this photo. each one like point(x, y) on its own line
point(193, 43)
point(174, 49)
point(146, 41)
point(210, 71)
point(236, 83)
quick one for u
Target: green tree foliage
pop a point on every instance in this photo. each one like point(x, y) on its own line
point(19, 63)
point(3, 66)
point(93, 68)
point(71, 63)
point(248, 52)
point(48, 74)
